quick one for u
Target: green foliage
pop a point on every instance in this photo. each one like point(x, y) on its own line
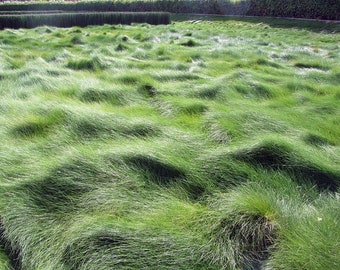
point(173, 6)
point(280, 155)
point(81, 19)
point(314, 9)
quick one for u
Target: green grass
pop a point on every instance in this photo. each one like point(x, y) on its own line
point(210, 143)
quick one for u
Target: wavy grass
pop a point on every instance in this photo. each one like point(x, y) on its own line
point(124, 148)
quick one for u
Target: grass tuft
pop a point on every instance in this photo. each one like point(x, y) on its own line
point(245, 231)
point(161, 172)
point(190, 43)
point(128, 249)
point(93, 95)
point(280, 155)
point(91, 64)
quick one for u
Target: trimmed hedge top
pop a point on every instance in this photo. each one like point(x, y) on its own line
point(312, 9)
point(82, 19)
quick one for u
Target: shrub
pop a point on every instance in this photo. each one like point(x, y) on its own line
point(314, 9)
point(82, 19)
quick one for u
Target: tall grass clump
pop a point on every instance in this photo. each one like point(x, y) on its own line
point(126, 248)
point(311, 240)
point(244, 232)
point(280, 155)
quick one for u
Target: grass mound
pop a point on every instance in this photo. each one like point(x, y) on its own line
point(92, 95)
point(222, 170)
point(94, 126)
point(245, 231)
point(161, 172)
point(307, 242)
point(31, 128)
point(129, 249)
point(9, 255)
point(38, 124)
point(54, 195)
point(280, 155)
point(91, 64)
point(316, 140)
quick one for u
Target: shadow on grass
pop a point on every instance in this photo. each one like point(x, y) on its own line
point(12, 252)
point(281, 156)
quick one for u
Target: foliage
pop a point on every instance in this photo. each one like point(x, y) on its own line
point(314, 9)
point(81, 19)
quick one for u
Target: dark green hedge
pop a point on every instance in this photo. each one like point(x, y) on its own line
point(82, 19)
point(312, 9)
point(173, 6)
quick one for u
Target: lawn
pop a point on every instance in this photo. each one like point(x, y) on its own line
point(209, 143)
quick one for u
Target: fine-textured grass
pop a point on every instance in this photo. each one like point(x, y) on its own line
point(210, 143)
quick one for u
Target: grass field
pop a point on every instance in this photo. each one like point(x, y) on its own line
point(210, 143)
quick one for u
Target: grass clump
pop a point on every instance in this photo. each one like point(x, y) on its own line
point(161, 172)
point(314, 233)
point(91, 64)
point(31, 128)
point(92, 95)
point(105, 126)
point(126, 248)
point(316, 140)
point(245, 230)
point(190, 43)
point(279, 155)
point(36, 125)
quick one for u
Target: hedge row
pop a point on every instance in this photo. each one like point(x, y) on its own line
point(82, 19)
point(315, 9)
point(312, 9)
point(228, 7)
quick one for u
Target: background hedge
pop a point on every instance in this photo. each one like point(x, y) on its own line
point(82, 19)
point(313, 9)
point(174, 6)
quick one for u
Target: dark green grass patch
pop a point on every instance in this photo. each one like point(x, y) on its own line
point(56, 196)
point(124, 248)
point(208, 92)
point(316, 140)
point(92, 95)
point(245, 229)
point(193, 108)
point(94, 126)
point(61, 189)
point(9, 255)
point(31, 128)
point(279, 155)
point(91, 64)
point(190, 43)
point(161, 172)
point(222, 171)
point(312, 65)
